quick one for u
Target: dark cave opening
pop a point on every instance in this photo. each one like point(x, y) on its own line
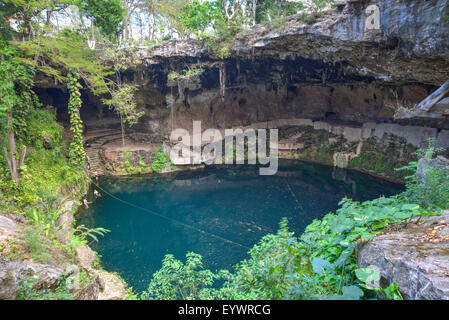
point(93, 112)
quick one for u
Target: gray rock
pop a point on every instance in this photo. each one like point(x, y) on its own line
point(91, 291)
point(7, 228)
point(8, 286)
point(412, 38)
point(13, 273)
point(47, 141)
point(416, 258)
point(424, 165)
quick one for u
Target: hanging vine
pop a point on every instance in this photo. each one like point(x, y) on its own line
point(222, 81)
point(77, 153)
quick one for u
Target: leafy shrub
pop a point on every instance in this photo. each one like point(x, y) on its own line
point(186, 74)
point(175, 280)
point(37, 245)
point(160, 160)
point(427, 185)
point(46, 172)
point(26, 290)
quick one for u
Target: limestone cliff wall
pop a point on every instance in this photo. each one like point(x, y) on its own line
point(334, 72)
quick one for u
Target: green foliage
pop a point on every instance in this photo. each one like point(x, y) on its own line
point(121, 59)
point(186, 74)
point(83, 233)
point(28, 11)
point(381, 158)
point(269, 10)
point(45, 219)
point(160, 160)
point(39, 123)
point(77, 153)
point(36, 244)
point(220, 43)
point(128, 166)
point(272, 269)
point(427, 185)
point(7, 9)
point(370, 279)
point(26, 290)
point(142, 163)
point(16, 82)
point(197, 16)
point(66, 53)
point(178, 281)
point(46, 172)
point(108, 15)
point(334, 237)
point(123, 102)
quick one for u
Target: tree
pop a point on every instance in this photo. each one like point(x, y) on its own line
point(124, 104)
point(16, 97)
point(7, 10)
point(197, 16)
point(108, 15)
point(27, 10)
point(164, 16)
point(122, 99)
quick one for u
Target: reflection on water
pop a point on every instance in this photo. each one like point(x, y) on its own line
point(233, 202)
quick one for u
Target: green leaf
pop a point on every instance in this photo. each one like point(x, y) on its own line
point(352, 293)
point(367, 275)
point(320, 265)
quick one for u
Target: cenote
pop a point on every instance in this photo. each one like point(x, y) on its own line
point(197, 210)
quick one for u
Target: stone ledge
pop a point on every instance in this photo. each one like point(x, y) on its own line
point(416, 258)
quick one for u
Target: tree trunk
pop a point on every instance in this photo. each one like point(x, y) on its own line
point(125, 24)
point(254, 11)
point(123, 129)
point(49, 14)
point(10, 154)
point(424, 108)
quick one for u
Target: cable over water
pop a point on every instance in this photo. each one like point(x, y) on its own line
point(170, 219)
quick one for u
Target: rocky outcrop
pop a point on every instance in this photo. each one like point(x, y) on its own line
point(105, 286)
point(332, 69)
point(23, 275)
point(424, 165)
point(416, 258)
point(13, 274)
point(410, 45)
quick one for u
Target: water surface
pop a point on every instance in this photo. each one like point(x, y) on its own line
point(233, 203)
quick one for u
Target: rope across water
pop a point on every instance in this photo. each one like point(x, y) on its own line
point(170, 219)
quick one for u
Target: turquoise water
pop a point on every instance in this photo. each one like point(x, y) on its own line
point(232, 203)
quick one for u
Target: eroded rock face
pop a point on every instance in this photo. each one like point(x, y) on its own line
point(13, 273)
point(424, 165)
point(104, 286)
point(335, 66)
point(416, 258)
point(412, 42)
point(334, 69)
point(411, 45)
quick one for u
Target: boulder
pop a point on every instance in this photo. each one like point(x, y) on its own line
point(424, 165)
point(8, 286)
point(7, 228)
point(416, 258)
point(91, 291)
point(105, 286)
point(13, 273)
point(47, 141)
